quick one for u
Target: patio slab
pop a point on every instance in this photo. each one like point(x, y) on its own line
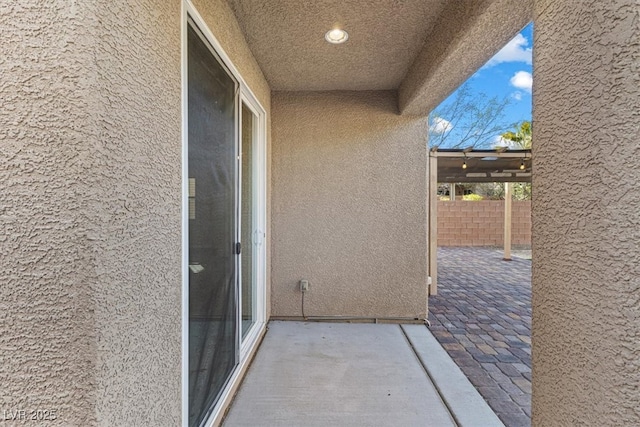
point(338, 374)
point(482, 317)
point(466, 406)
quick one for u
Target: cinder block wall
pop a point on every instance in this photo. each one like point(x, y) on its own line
point(481, 223)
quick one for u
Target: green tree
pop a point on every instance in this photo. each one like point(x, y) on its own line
point(521, 191)
point(521, 138)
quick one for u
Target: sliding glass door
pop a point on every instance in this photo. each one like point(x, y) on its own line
point(225, 218)
point(212, 163)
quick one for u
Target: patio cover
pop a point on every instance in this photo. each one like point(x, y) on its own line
point(500, 165)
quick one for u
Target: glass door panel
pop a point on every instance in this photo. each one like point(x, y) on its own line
point(213, 314)
point(248, 220)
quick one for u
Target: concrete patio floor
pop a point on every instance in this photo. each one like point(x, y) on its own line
point(355, 374)
point(482, 317)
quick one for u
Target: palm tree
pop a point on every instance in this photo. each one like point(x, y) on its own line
point(521, 138)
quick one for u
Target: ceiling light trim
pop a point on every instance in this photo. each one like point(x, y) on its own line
point(336, 36)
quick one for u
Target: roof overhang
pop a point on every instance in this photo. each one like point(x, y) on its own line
point(466, 36)
point(423, 49)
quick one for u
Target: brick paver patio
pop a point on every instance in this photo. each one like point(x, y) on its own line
point(482, 317)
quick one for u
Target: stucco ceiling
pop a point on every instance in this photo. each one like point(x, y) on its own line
point(424, 49)
point(385, 36)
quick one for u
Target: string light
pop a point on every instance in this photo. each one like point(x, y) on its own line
point(464, 164)
point(522, 166)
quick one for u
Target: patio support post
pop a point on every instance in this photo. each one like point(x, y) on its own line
point(433, 222)
point(452, 192)
point(507, 221)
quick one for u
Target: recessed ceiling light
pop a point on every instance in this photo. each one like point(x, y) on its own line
point(336, 36)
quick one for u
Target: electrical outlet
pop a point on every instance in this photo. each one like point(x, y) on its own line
point(304, 285)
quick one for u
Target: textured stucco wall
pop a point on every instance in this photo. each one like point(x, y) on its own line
point(349, 191)
point(47, 345)
point(134, 212)
point(481, 223)
point(90, 143)
point(586, 213)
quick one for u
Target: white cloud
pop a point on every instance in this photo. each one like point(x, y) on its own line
point(440, 125)
point(517, 95)
point(514, 51)
point(522, 80)
point(499, 141)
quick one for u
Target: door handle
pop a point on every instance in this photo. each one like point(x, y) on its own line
point(257, 237)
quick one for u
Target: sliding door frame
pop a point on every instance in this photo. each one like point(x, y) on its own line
point(259, 217)
point(244, 348)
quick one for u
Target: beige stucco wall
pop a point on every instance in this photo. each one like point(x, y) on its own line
point(47, 339)
point(90, 302)
point(349, 191)
point(586, 213)
point(134, 212)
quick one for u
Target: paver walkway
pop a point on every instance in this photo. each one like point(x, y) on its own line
point(482, 317)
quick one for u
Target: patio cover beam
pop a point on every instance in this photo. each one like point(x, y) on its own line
point(511, 154)
point(482, 165)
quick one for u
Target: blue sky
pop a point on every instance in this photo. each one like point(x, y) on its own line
point(506, 76)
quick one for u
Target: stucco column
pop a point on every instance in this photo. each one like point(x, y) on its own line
point(586, 213)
